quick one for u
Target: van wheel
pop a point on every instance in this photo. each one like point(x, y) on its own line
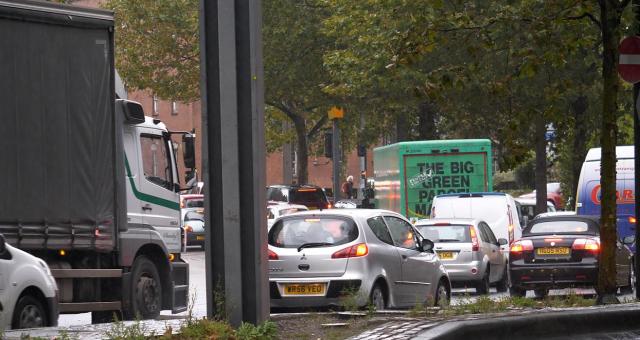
point(517, 292)
point(503, 285)
point(146, 290)
point(483, 286)
point(29, 313)
point(377, 298)
point(541, 293)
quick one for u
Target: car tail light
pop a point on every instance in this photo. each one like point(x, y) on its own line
point(475, 246)
point(589, 244)
point(329, 206)
point(188, 228)
point(272, 255)
point(357, 250)
point(632, 219)
point(521, 246)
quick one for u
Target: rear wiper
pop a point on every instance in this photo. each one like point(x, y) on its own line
point(313, 245)
point(448, 240)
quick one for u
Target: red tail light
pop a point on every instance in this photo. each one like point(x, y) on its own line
point(521, 246)
point(272, 255)
point(329, 206)
point(357, 250)
point(474, 239)
point(589, 244)
point(188, 228)
point(632, 219)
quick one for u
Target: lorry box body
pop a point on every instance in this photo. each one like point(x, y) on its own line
point(408, 175)
point(61, 160)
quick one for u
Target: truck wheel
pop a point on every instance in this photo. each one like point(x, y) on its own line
point(29, 313)
point(146, 290)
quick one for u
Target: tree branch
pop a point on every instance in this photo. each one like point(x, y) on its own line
point(285, 109)
point(586, 15)
point(317, 126)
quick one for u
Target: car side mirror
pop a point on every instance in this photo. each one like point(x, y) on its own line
point(3, 244)
point(629, 240)
point(502, 241)
point(427, 246)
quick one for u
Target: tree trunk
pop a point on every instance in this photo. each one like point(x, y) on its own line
point(302, 163)
point(579, 108)
point(402, 128)
point(541, 165)
point(610, 21)
point(427, 122)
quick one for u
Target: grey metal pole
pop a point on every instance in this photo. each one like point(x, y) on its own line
point(635, 4)
point(233, 160)
point(337, 159)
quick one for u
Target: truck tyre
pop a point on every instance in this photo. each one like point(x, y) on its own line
point(146, 290)
point(29, 313)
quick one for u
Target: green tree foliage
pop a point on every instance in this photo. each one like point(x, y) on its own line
point(157, 46)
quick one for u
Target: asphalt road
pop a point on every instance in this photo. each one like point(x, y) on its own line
point(197, 279)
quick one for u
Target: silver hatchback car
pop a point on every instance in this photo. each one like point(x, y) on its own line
point(469, 251)
point(317, 257)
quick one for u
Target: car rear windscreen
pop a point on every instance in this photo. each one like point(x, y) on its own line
point(444, 234)
point(329, 231)
point(288, 211)
point(194, 203)
point(307, 195)
point(559, 227)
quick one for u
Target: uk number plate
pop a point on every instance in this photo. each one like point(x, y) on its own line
point(305, 289)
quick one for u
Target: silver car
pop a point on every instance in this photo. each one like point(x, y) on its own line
point(469, 251)
point(376, 256)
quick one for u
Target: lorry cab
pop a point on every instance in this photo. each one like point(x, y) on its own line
point(152, 180)
point(588, 196)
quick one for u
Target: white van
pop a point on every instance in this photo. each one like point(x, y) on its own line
point(497, 209)
point(28, 292)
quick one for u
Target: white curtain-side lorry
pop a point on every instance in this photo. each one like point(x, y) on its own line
point(87, 182)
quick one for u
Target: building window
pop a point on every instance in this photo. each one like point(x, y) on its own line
point(174, 107)
point(155, 105)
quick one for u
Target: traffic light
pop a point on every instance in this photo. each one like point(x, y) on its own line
point(362, 150)
point(328, 144)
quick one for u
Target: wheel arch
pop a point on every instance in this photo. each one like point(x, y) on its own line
point(156, 255)
point(382, 281)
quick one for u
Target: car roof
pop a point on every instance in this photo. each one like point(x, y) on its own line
point(529, 201)
point(284, 205)
point(354, 213)
point(473, 194)
point(294, 186)
point(432, 221)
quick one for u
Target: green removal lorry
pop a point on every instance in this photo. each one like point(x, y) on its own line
point(409, 174)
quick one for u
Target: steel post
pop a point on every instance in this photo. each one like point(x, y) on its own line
point(233, 155)
point(337, 161)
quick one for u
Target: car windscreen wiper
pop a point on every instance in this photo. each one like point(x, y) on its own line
point(313, 245)
point(448, 240)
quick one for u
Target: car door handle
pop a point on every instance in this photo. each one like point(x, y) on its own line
point(147, 207)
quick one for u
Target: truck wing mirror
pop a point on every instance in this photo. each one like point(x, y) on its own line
point(189, 151)
point(629, 240)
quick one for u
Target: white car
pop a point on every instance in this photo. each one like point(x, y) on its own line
point(276, 210)
point(28, 292)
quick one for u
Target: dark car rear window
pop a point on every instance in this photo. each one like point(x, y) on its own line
point(444, 234)
point(296, 231)
point(560, 227)
point(307, 195)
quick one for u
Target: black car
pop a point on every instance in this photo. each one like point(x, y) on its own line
point(562, 252)
point(311, 196)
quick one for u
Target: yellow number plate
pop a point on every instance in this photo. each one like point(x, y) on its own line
point(553, 251)
point(305, 289)
point(199, 238)
point(445, 255)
